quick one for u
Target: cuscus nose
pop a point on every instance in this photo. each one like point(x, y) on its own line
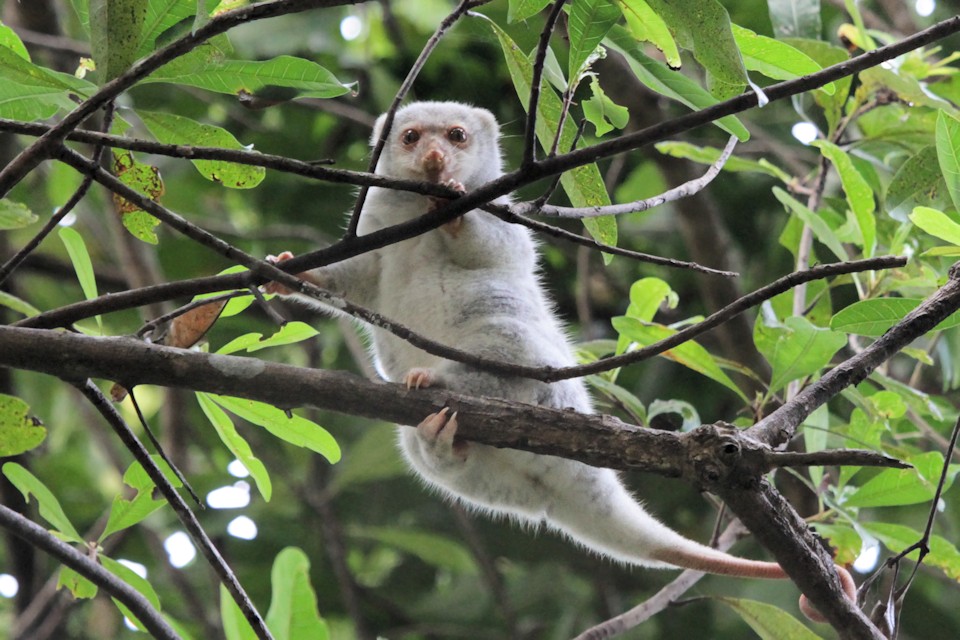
point(433, 163)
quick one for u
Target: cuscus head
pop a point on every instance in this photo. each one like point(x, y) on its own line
point(440, 142)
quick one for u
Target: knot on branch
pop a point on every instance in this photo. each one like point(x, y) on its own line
point(720, 455)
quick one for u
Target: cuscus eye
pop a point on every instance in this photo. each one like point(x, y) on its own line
point(457, 134)
point(410, 136)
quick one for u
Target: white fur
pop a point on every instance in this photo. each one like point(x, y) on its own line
point(478, 289)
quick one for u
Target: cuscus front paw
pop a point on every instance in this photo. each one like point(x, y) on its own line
point(273, 286)
point(438, 431)
point(453, 227)
point(419, 378)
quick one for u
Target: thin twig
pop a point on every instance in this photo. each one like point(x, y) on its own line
point(533, 104)
point(685, 190)
point(42, 539)
point(405, 86)
point(186, 516)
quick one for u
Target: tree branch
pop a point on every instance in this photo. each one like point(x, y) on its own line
point(130, 597)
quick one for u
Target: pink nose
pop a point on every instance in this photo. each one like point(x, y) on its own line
point(433, 161)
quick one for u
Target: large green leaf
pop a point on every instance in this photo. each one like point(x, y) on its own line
point(795, 18)
point(647, 26)
point(293, 603)
point(174, 129)
point(918, 180)
point(290, 333)
point(667, 82)
point(703, 26)
point(858, 192)
point(583, 185)
point(875, 316)
point(292, 428)
point(301, 78)
point(50, 509)
point(775, 59)
point(894, 487)
point(82, 265)
point(936, 223)
point(796, 349)
point(588, 23)
point(768, 621)
point(115, 28)
point(948, 152)
point(519, 10)
point(237, 445)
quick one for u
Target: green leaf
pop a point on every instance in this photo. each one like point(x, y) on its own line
point(796, 349)
point(174, 129)
point(31, 103)
point(125, 513)
point(236, 444)
point(859, 194)
point(78, 586)
point(775, 59)
point(919, 175)
point(519, 10)
point(709, 155)
point(588, 23)
point(820, 228)
point(703, 26)
point(943, 554)
point(689, 354)
point(166, 20)
point(647, 26)
point(235, 625)
point(306, 79)
point(948, 152)
point(290, 333)
point(50, 509)
point(647, 295)
point(144, 179)
point(133, 579)
point(875, 316)
point(293, 603)
point(768, 621)
point(15, 215)
point(115, 28)
point(795, 18)
point(584, 185)
point(676, 86)
point(18, 305)
point(18, 431)
point(15, 68)
point(603, 112)
point(893, 487)
point(82, 265)
point(433, 549)
point(294, 429)
point(936, 224)
point(825, 54)
point(10, 40)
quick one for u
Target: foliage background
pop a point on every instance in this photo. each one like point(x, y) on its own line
point(419, 565)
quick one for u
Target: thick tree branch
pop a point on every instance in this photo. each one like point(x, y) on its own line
point(592, 439)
